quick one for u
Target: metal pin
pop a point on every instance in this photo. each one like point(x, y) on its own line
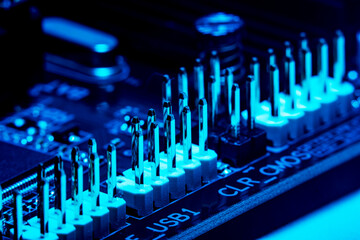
point(18, 215)
point(229, 80)
point(154, 155)
point(92, 146)
point(77, 182)
point(339, 57)
point(135, 126)
point(167, 109)
point(215, 71)
point(43, 207)
point(1, 215)
point(303, 41)
point(138, 152)
point(94, 173)
point(323, 65)
point(306, 71)
point(60, 187)
point(170, 141)
point(235, 110)
point(182, 81)
point(288, 49)
point(183, 101)
point(305, 58)
point(166, 88)
point(203, 126)
point(271, 58)
point(255, 71)
point(199, 79)
point(186, 134)
point(290, 78)
point(111, 171)
point(39, 177)
point(212, 100)
point(274, 90)
point(250, 100)
point(151, 117)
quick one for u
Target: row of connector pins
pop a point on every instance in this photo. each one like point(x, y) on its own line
point(86, 215)
point(106, 210)
point(319, 100)
point(239, 145)
point(197, 160)
point(229, 143)
point(180, 168)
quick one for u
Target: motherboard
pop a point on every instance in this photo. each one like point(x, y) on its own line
point(174, 120)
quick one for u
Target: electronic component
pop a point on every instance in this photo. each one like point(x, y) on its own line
point(214, 127)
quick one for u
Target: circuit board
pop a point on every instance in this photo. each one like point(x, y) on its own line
point(250, 135)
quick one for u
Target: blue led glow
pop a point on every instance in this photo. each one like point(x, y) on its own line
point(353, 75)
point(50, 138)
point(218, 24)
point(127, 118)
point(31, 130)
point(82, 35)
point(101, 48)
point(42, 124)
point(123, 127)
point(103, 72)
point(338, 220)
point(19, 122)
point(74, 138)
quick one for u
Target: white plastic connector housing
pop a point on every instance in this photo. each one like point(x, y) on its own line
point(64, 232)
point(192, 172)
point(160, 185)
point(83, 224)
point(33, 233)
point(295, 116)
point(345, 92)
point(276, 128)
point(208, 162)
point(100, 216)
point(311, 110)
point(117, 210)
point(137, 198)
point(328, 102)
point(176, 178)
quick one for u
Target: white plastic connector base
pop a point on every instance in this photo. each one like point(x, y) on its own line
point(311, 110)
point(137, 198)
point(192, 170)
point(160, 185)
point(83, 224)
point(63, 232)
point(295, 116)
point(66, 232)
point(208, 162)
point(328, 102)
point(276, 128)
point(345, 92)
point(33, 233)
point(176, 178)
point(117, 210)
point(100, 216)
